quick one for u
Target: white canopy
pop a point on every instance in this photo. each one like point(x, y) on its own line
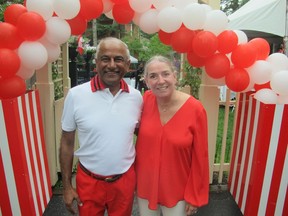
point(261, 18)
point(133, 59)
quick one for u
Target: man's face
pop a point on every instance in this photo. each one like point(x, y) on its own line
point(112, 62)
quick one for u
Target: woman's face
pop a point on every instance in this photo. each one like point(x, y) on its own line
point(160, 79)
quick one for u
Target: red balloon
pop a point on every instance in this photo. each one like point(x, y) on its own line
point(91, 9)
point(9, 35)
point(237, 79)
point(205, 44)
point(12, 87)
point(217, 66)
point(31, 26)
point(12, 13)
point(258, 87)
point(244, 55)
point(262, 48)
point(227, 41)
point(78, 25)
point(119, 1)
point(195, 60)
point(122, 13)
point(182, 39)
point(164, 37)
point(9, 63)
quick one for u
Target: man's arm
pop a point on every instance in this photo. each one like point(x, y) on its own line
point(66, 161)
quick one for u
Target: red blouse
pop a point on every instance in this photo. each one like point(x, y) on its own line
point(172, 159)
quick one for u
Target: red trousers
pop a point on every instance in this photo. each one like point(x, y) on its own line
point(97, 196)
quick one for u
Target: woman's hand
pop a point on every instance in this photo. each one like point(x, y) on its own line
point(190, 209)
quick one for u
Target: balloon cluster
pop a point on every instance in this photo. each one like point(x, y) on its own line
point(31, 36)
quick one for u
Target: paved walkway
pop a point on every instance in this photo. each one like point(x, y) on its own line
point(221, 203)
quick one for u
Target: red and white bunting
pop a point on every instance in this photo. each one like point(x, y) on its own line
point(24, 174)
point(259, 165)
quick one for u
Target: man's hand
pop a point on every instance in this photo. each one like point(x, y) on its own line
point(69, 195)
point(190, 209)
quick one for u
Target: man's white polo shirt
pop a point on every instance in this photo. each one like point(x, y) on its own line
point(105, 125)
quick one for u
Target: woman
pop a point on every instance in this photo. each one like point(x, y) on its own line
point(171, 149)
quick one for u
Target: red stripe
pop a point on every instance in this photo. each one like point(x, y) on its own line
point(249, 140)
point(242, 136)
point(279, 164)
point(285, 209)
point(33, 184)
point(236, 135)
point(265, 122)
point(4, 198)
point(38, 171)
point(15, 140)
point(44, 155)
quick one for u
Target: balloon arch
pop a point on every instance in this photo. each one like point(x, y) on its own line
point(31, 36)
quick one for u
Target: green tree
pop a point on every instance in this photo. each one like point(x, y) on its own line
point(4, 4)
point(154, 46)
point(230, 6)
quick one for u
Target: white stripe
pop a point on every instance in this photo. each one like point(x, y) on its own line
point(41, 154)
point(238, 143)
point(34, 152)
point(8, 169)
point(274, 140)
point(243, 160)
point(282, 188)
point(251, 153)
point(27, 156)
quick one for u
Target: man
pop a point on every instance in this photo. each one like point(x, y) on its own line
point(105, 112)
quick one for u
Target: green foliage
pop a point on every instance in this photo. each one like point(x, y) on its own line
point(134, 43)
point(192, 78)
point(153, 46)
point(220, 135)
point(4, 4)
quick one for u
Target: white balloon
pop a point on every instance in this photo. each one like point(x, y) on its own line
point(216, 22)
point(58, 30)
point(33, 55)
point(207, 8)
point(66, 9)
point(140, 6)
point(242, 37)
point(25, 73)
point(181, 4)
point(169, 19)
point(107, 6)
point(194, 16)
point(53, 50)
point(260, 72)
point(266, 96)
point(147, 21)
point(43, 7)
point(160, 4)
point(282, 99)
point(279, 82)
point(279, 61)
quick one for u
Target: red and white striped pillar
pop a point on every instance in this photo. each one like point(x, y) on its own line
point(24, 174)
point(259, 165)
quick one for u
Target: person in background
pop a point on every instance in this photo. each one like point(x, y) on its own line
point(172, 166)
point(139, 79)
point(105, 113)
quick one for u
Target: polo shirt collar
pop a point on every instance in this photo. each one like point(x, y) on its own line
point(97, 84)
